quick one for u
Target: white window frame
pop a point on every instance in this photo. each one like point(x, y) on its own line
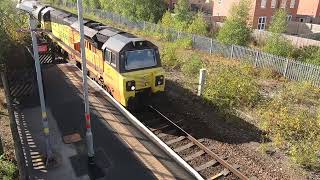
point(283, 4)
point(263, 3)
point(274, 3)
point(293, 4)
point(262, 25)
point(289, 17)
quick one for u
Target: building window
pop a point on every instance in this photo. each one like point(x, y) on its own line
point(292, 4)
point(262, 22)
point(283, 3)
point(289, 17)
point(263, 3)
point(273, 3)
point(301, 19)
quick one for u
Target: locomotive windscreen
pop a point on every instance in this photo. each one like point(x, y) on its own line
point(140, 59)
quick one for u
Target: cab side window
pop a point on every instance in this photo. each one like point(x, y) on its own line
point(113, 60)
point(107, 56)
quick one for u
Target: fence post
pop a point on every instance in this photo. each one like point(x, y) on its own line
point(211, 45)
point(232, 48)
point(202, 79)
point(179, 34)
point(286, 68)
point(144, 25)
point(256, 59)
point(193, 40)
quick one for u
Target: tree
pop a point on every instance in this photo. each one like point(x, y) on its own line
point(182, 11)
point(279, 22)
point(10, 21)
point(198, 25)
point(276, 43)
point(167, 20)
point(235, 29)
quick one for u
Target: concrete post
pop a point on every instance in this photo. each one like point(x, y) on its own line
point(89, 137)
point(256, 59)
point(211, 45)
point(33, 25)
point(232, 49)
point(202, 79)
point(286, 68)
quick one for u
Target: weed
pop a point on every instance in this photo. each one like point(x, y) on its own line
point(8, 169)
point(230, 87)
point(191, 65)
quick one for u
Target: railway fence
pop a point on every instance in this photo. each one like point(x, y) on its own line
point(289, 68)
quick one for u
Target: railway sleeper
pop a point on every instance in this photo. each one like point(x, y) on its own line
point(170, 132)
point(197, 154)
point(189, 145)
point(164, 126)
point(204, 166)
point(175, 140)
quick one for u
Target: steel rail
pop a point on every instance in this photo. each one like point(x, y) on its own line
point(203, 147)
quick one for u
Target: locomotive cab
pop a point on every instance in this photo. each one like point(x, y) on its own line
point(138, 62)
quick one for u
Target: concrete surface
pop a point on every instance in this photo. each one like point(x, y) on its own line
point(122, 152)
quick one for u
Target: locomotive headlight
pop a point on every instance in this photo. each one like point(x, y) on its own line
point(131, 85)
point(159, 80)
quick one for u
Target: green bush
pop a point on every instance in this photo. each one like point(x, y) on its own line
point(192, 65)
point(185, 43)
point(278, 45)
point(235, 29)
point(198, 25)
point(292, 120)
point(231, 87)
point(309, 54)
point(8, 169)
point(168, 55)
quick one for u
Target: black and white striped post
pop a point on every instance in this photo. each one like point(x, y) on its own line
point(89, 137)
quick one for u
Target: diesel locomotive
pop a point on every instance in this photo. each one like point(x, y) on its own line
point(127, 66)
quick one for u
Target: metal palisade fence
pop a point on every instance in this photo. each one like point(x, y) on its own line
point(289, 68)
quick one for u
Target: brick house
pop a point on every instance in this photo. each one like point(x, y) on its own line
point(308, 11)
point(261, 12)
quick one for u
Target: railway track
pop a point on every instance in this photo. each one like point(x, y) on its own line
point(194, 151)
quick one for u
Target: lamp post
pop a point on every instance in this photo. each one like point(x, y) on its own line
point(33, 24)
point(89, 137)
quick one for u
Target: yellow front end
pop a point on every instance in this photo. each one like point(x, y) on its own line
point(142, 83)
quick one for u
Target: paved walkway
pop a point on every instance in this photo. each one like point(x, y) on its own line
point(122, 151)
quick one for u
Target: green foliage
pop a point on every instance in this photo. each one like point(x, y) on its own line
point(309, 54)
point(231, 87)
point(10, 21)
point(292, 120)
point(235, 29)
point(185, 43)
point(278, 45)
point(8, 170)
point(182, 11)
point(168, 55)
point(167, 20)
point(279, 22)
point(198, 25)
point(191, 65)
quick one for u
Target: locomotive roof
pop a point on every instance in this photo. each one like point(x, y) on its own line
point(87, 31)
point(119, 41)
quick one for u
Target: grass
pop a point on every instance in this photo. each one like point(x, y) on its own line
point(289, 112)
